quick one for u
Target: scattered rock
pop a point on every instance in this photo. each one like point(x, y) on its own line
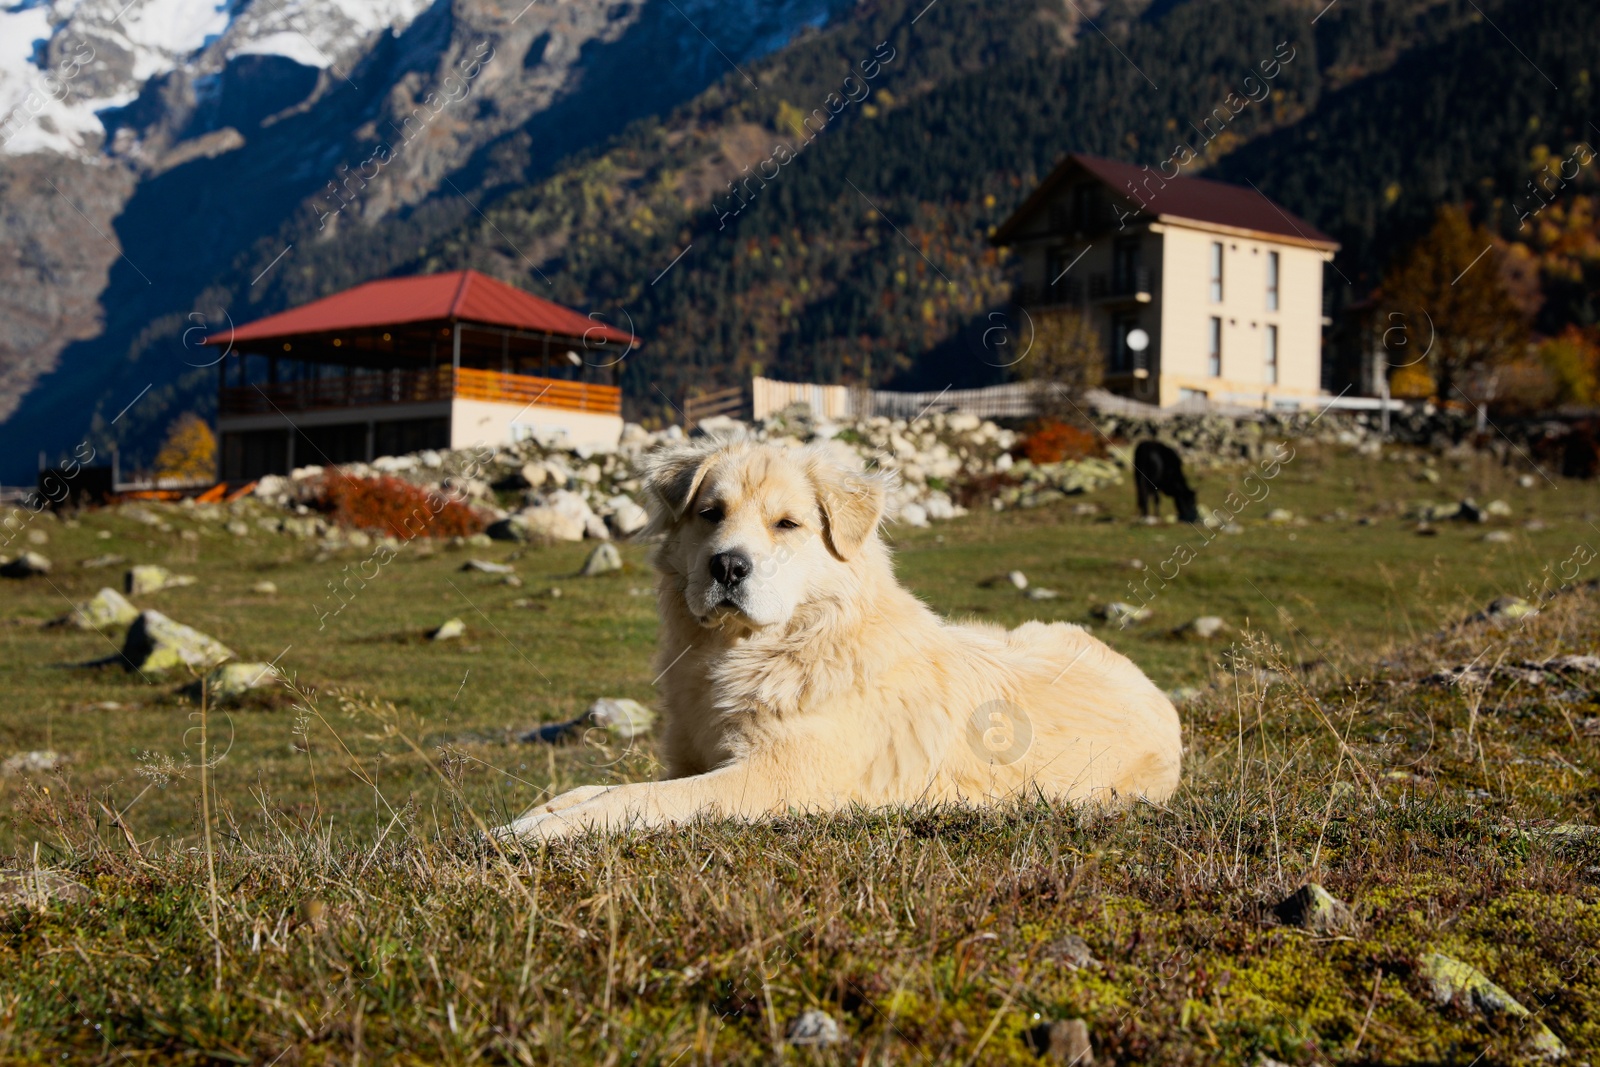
point(265, 588)
point(1449, 981)
point(1062, 1041)
point(231, 681)
point(27, 565)
point(103, 611)
point(35, 889)
point(449, 630)
point(1498, 537)
point(1508, 609)
point(1072, 952)
point(1121, 614)
point(103, 561)
point(39, 761)
point(146, 578)
point(813, 1027)
point(483, 566)
point(1280, 515)
point(1182, 695)
point(627, 518)
point(1498, 509)
point(1203, 628)
point(625, 718)
point(603, 560)
point(1040, 593)
point(1018, 579)
point(914, 515)
point(38, 537)
point(1313, 908)
point(156, 643)
point(238, 528)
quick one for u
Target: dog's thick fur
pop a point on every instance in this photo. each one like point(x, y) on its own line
point(817, 682)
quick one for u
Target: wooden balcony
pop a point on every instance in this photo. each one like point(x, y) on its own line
point(418, 386)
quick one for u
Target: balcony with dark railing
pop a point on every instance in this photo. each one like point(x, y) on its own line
point(1133, 285)
point(418, 386)
point(1065, 291)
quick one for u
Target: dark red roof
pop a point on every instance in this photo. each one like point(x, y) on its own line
point(460, 295)
point(1196, 199)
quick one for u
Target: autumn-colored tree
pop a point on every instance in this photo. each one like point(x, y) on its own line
point(1573, 360)
point(1448, 290)
point(1067, 353)
point(189, 452)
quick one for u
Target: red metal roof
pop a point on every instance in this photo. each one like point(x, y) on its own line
point(462, 295)
point(1196, 199)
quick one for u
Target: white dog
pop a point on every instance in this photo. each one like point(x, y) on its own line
point(796, 673)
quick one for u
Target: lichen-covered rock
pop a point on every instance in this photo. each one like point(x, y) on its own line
point(812, 1027)
point(156, 643)
point(1449, 980)
point(603, 560)
point(1203, 628)
point(624, 718)
point(231, 681)
point(1313, 908)
point(1122, 615)
point(145, 578)
point(483, 566)
point(449, 630)
point(27, 565)
point(36, 761)
point(105, 610)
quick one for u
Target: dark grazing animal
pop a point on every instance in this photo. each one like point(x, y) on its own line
point(1157, 470)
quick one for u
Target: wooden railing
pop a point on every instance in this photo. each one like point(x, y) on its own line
point(544, 392)
point(418, 386)
point(728, 401)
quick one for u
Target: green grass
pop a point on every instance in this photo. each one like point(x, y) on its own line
point(360, 919)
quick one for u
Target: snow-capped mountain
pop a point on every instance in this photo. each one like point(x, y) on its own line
point(149, 149)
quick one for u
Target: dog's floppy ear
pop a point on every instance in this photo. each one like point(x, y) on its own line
point(672, 475)
point(851, 502)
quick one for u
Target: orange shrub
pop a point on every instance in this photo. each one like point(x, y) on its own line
point(392, 507)
point(1050, 441)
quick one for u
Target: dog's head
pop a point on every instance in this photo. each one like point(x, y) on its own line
point(753, 531)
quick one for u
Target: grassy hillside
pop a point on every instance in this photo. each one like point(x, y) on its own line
point(865, 257)
point(359, 917)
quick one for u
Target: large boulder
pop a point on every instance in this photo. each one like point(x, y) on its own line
point(156, 643)
point(103, 611)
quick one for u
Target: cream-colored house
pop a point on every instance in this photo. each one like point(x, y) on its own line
point(1225, 284)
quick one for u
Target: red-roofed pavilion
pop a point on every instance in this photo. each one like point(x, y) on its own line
point(448, 360)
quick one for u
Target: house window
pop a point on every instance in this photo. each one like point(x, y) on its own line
point(1272, 355)
point(1214, 347)
point(1123, 358)
point(1272, 281)
point(1216, 272)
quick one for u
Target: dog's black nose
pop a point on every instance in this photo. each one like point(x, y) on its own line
point(730, 568)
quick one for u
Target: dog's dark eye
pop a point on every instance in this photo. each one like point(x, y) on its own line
point(711, 514)
point(787, 524)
